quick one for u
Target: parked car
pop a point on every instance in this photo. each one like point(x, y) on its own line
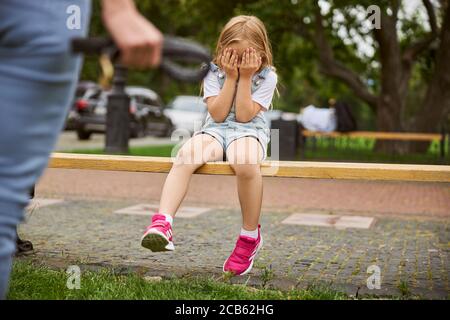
point(145, 110)
point(185, 111)
point(84, 88)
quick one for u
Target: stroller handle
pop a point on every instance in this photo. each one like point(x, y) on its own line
point(182, 50)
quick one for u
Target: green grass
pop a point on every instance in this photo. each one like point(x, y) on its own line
point(154, 150)
point(362, 150)
point(404, 288)
point(353, 150)
point(33, 281)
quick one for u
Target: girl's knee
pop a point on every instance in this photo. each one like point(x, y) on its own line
point(246, 171)
point(185, 160)
point(198, 150)
point(246, 150)
point(184, 166)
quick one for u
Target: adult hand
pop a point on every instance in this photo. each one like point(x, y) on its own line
point(229, 63)
point(250, 63)
point(138, 40)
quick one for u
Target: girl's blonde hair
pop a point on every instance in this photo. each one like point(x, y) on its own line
point(251, 29)
point(248, 28)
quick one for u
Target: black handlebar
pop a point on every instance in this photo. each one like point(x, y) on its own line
point(173, 48)
point(93, 45)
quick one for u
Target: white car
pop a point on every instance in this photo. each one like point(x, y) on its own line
point(185, 111)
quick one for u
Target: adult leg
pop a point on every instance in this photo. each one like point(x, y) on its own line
point(193, 154)
point(37, 81)
point(244, 155)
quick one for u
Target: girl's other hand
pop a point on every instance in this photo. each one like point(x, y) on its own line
point(250, 63)
point(229, 62)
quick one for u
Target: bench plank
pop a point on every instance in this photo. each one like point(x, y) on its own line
point(291, 169)
point(408, 136)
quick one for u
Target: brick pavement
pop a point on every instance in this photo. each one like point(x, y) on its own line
point(412, 254)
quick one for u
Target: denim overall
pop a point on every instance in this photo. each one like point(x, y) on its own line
point(230, 129)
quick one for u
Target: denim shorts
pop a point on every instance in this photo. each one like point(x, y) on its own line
point(229, 130)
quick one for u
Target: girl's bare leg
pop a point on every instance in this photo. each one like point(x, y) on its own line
point(244, 155)
point(193, 154)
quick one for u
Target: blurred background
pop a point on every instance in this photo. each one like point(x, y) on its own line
point(392, 79)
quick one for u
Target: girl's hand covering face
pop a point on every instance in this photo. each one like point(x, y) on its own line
point(250, 63)
point(229, 62)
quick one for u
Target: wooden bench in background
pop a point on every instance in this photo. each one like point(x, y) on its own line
point(400, 136)
point(292, 169)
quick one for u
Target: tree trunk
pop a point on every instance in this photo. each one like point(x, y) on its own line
point(388, 118)
point(394, 75)
point(436, 107)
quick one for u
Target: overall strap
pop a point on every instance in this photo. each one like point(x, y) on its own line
point(219, 73)
point(259, 78)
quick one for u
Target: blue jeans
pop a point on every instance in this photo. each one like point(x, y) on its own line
point(38, 76)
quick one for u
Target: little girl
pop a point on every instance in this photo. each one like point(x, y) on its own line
point(237, 90)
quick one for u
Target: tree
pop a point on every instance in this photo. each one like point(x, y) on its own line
point(438, 93)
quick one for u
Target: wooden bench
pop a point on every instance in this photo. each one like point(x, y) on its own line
point(408, 136)
point(291, 169)
point(401, 136)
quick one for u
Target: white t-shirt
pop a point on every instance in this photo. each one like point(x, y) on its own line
point(318, 119)
point(263, 95)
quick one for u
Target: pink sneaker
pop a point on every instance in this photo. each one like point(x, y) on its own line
point(158, 235)
point(240, 261)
